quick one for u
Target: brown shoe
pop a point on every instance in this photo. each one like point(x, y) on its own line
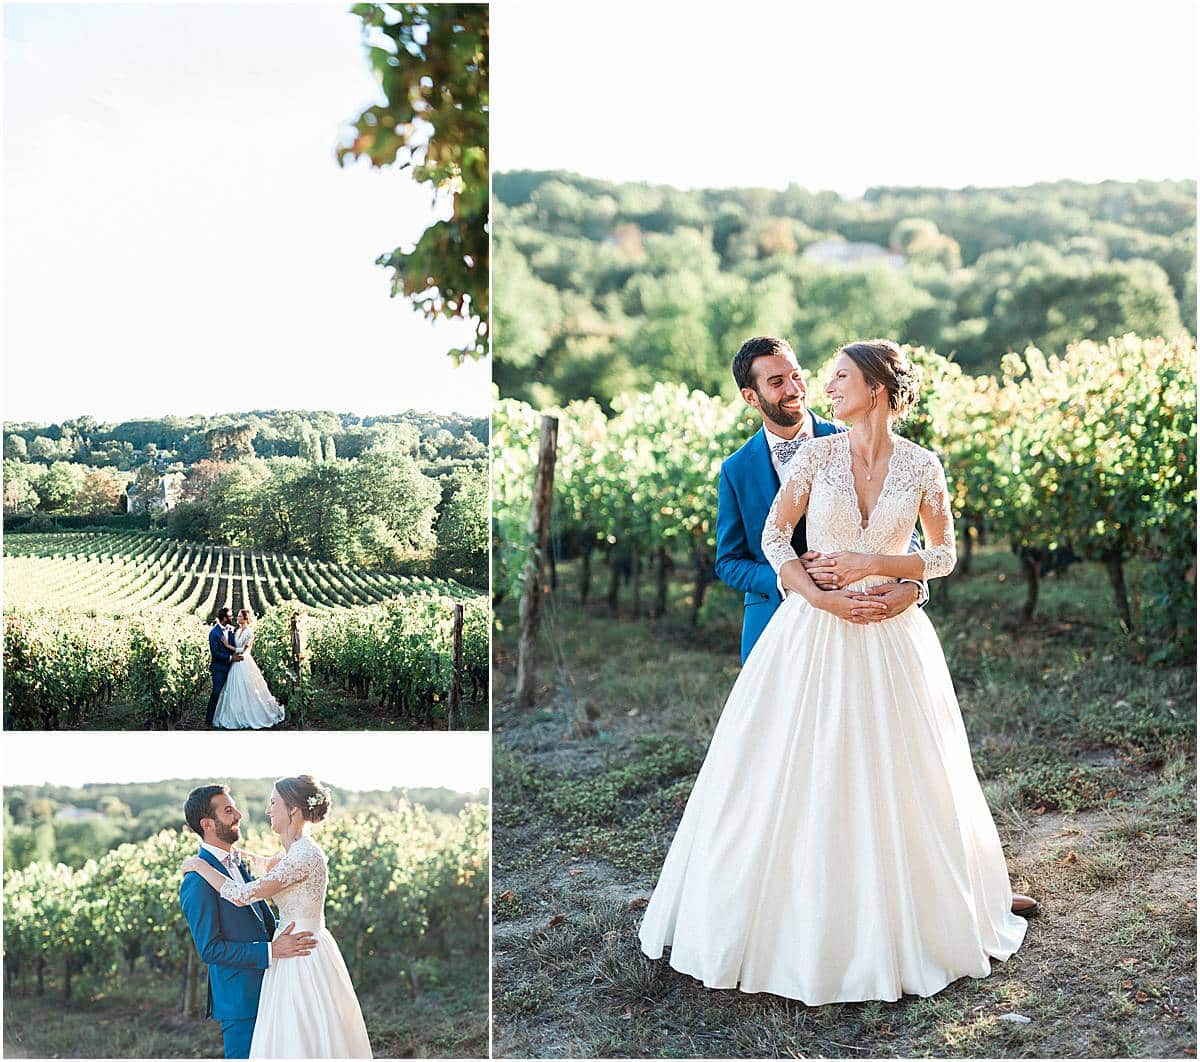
point(1025, 906)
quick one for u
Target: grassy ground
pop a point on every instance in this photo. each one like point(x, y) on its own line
point(332, 710)
point(1087, 757)
point(137, 1018)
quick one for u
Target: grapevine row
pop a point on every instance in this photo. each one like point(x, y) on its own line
point(1092, 452)
point(401, 884)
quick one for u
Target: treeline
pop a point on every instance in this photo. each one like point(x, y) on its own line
point(378, 510)
point(433, 438)
point(1088, 455)
point(607, 288)
point(71, 824)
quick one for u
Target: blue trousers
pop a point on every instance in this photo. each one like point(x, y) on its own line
point(219, 672)
point(238, 1033)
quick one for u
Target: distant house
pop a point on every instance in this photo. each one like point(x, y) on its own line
point(159, 495)
point(841, 253)
point(73, 814)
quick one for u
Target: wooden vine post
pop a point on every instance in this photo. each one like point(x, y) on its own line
point(454, 700)
point(300, 666)
point(534, 580)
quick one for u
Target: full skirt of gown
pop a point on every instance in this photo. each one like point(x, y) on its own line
point(836, 846)
point(246, 702)
point(308, 1007)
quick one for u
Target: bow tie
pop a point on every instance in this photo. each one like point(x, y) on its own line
point(786, 450)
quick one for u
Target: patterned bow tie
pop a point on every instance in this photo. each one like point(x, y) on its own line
point(786, 450)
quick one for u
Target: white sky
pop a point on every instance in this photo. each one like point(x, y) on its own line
point(460, 761)
point(178, 235)
point(845, 95)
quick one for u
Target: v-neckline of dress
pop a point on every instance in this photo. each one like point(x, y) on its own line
point(865, 526)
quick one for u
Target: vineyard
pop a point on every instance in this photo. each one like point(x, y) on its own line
point(1088, 455)
point(125, 570)
point(93, 619)
point(402, 886)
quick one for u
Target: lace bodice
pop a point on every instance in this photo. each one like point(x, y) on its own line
point(241, 636)
point(304, 875)
point(819, 486)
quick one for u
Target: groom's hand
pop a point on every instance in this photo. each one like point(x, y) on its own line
point(897, 597)
point(823, 579)
point(289, 945)
point(236, 657)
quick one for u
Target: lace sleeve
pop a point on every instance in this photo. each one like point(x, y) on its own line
point(937, 521)
point(293, 867)
point(788, 507)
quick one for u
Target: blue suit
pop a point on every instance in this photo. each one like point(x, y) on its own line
point(219, 668)
point(235, 944)
point(747, 489)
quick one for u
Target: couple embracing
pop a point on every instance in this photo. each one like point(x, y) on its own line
point(278, 986)
point(240, 698)
point(836, 846)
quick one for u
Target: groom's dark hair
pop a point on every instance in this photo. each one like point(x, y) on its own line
point(224, 611)
point(199, 805)
point(758, 347)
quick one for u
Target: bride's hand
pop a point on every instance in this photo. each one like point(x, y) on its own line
point(273, 862)
point(849, 606)
point(191, 865)
point(839, 570)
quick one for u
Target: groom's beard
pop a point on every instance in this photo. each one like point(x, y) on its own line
point(227, 834)
point(778, 415)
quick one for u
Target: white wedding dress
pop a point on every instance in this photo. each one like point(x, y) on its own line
point(307, 1008)
point(836, 846)
point(246, 702)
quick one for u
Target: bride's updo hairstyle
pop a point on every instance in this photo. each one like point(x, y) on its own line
point(307, 794)
point(248, 613)
point(884, 364)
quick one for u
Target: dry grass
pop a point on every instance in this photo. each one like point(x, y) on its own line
point(1087, 758)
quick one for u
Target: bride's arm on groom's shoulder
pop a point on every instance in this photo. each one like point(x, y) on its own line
point(287, 870)
point(196, 865)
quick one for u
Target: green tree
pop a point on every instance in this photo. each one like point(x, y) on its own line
point(15, 448)
point(20, 493)
point(99, 495)
point(432, 64)
point(191, 521)
point(462, 529)
point(59, 486)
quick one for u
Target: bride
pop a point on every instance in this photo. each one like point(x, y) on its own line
point(836, 846)
point(246, 702)
point(307, 1008)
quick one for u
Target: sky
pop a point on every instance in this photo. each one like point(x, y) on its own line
point(179, 238)
point(357, 761)
point(844, 96)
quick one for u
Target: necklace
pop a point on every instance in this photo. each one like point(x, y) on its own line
point(866, 469)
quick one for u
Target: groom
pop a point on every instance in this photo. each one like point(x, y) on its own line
point(768, 375)
point(233, 942)
point(222, 658)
